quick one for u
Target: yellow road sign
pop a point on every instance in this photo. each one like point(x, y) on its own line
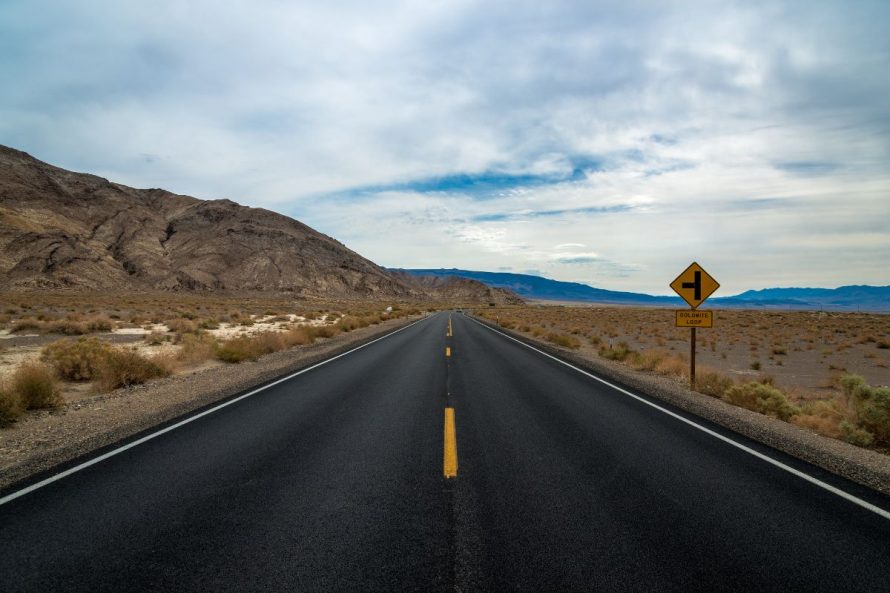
point(694, 285)
point(695, 318)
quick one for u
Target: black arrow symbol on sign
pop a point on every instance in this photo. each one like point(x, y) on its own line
point(696, 285)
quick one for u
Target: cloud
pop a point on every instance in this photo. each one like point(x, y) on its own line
point(481, 136)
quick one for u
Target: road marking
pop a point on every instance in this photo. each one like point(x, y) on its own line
point(450, 330)
point(804, 476)
point(447, 350)
point(112, 453)
point(450, 465)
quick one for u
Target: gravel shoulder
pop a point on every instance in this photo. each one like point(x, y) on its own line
point(859, 465)
point(45, 442)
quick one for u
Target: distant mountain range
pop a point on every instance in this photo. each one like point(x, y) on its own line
point(845, 298)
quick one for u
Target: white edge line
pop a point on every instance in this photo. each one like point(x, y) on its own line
point(139, 441)
point(817, 482)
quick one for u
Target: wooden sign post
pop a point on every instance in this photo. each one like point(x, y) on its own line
point(694, 285)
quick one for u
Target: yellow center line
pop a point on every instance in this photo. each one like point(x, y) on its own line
point(447, 350)
point(450, 466)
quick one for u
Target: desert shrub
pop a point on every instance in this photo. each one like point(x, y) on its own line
point(10, 406)
point(712, 383)
point(99, 324)
point(871, 405)
point(155, 338)
point(123, 368)
point(347, 324)
point(324, 331)
point(855, 435)
point(648, 360)
point(297, 336)
point(67, 327)
point(35, 386)
point(874, 414)
point(247, 322)
point(765, 399)
point(26, 325)
point(238, 350)
point(75, 360)
point(209, 323)
point(566, 341)
point(823, 417)
point(195, 348)
point(268, 342)
point(619, 353)
point(673, 366)
point(180, 326)
point(755, 365)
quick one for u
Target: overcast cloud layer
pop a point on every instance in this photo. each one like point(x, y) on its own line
point(607, 143)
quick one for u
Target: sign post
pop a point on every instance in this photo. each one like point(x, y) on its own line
point(694, 285)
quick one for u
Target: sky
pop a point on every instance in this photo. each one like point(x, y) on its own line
point(610, 143)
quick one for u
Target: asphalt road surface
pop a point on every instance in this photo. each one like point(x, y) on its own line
point(335, 480)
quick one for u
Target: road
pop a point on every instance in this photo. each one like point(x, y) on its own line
point(335, 480)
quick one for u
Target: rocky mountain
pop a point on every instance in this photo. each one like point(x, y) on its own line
point(60, 229)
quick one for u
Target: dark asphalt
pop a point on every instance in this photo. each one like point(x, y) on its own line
point(332, 481)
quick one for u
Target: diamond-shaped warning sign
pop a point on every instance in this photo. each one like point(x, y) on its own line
point(694, 285)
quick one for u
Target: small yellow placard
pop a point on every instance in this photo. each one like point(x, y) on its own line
point(695, 318)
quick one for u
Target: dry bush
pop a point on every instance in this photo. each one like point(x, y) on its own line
point(619, 353)
point(566, 341)
point(765, 399)
point(324, 331)
point(26, 325)
point(66, 327)
point(349, 323)
point(155, 338)
point(123, 368)
point(238, 350)
point(712, 383)
point(209, 323)
point(856, 435)
point(822, 416)
point(298, 336)
point(181, 326)
point(36, 387)
point(268, 342)
point(648, 360)
point(196, 348)
point(99, 324)
point(10, 406)
point(75, 360)
point(673, 366)
point(871, 406)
